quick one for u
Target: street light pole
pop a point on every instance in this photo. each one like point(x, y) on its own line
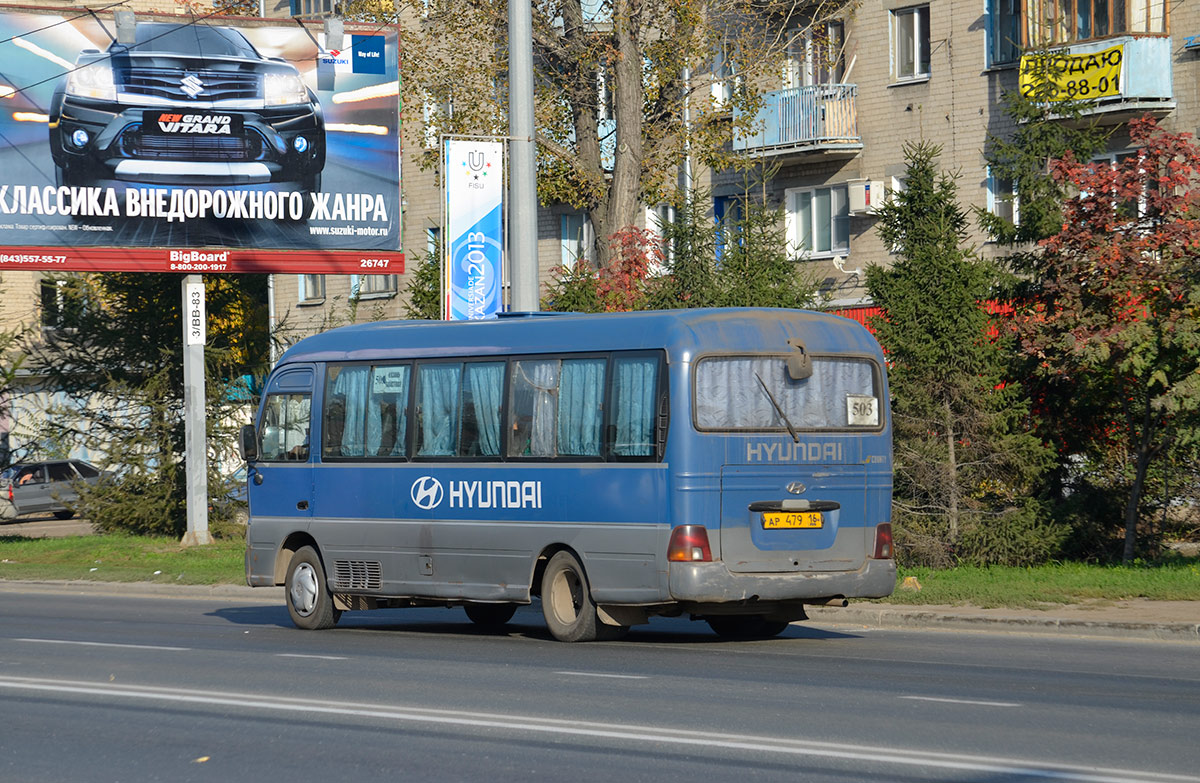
point(522, 182)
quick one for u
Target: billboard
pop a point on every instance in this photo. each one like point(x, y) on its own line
point(474, 202)
point(197, 144)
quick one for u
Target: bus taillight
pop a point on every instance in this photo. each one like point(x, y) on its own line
point(883, 541)
point(689, 544)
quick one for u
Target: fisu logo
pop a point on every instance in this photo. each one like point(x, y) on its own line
point(427, 492)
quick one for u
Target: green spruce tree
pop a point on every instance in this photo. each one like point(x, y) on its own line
point(964, 459)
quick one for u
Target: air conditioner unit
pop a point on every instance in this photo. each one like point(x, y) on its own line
point(865, 196)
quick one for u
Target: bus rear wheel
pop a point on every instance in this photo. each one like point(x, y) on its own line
point(567, 601)
point(493, 617)
point(308, 599)
point(745, 626)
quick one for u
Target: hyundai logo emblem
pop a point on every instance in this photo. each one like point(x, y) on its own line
point(796, 488)
point(192, 85)
point(427, 492)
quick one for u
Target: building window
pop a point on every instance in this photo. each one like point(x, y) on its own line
point(659, 220)
point(1002, 198)
point(312, 288)
point(573, 231)
point(373, 285)
point(1051, 22)
point(1004, 31)
point(814, 56)
point(910, 42)
point(818, 221)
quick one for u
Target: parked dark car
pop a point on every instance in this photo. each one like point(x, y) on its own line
point(187, 104)
point(41, 487)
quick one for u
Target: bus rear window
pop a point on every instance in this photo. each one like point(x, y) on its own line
point(755, 393)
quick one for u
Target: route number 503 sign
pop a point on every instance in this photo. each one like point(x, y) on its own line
point(1075, 77)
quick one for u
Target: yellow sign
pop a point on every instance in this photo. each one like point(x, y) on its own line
point(1076, 77)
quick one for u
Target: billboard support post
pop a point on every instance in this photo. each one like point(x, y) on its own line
point(193, 412)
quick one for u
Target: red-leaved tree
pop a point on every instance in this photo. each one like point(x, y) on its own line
point(1116, 315)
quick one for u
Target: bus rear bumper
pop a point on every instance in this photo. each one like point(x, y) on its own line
point(714, 583)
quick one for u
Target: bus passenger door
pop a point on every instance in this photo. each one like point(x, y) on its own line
point(280, 482)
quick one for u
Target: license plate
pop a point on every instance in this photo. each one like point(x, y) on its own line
point(779, 520)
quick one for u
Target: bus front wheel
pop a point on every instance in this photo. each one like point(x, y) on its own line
point(567, 601)
point(308, 599)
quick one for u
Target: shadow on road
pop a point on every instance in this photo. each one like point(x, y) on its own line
point(527, 623)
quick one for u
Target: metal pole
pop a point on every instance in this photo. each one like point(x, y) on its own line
point(522, 229)
point(195, 441)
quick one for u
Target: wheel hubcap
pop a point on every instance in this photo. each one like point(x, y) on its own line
point(304, 589)
point(566, 597)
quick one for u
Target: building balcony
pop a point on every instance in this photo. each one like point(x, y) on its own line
point(1124, 77)
point(821, 119)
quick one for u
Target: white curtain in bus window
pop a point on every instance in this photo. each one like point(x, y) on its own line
point(581, 407)
point(345, 412)
point(285, 427)
point(438, 387)
point(483, 387)
point(730, 393)
point(387, 411)
point(635, 379)
point(533, 408)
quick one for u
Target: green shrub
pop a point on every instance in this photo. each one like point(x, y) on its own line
point(1020, 537)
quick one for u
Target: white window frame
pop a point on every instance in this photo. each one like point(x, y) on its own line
point(1001, 51)
point(999, 194)
point(839, 210)
point(921, 42)
point(373, 286)
point(575, 231)
point(807, 65)
point(311, 288)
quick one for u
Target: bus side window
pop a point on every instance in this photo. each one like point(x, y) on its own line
point(581, 407)
point(483, 389)
point(635, 386)
point(439, 401)
point(533, 408)
point(285, 428)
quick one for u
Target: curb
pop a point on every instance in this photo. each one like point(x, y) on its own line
point(916, 618)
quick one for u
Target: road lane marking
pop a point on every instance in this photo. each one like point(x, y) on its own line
point(304, 655)
point(610, 676)
point(1016, 768)
point(106, 644)
point(963, 701)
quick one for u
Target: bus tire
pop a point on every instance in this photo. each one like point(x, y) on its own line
point(567, 601)
point(745, 626)
point(308, 599)
point(493, 617)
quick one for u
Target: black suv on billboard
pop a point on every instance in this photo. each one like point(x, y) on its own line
point(187, 104)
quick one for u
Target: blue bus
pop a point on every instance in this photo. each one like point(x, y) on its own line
point(733, 465)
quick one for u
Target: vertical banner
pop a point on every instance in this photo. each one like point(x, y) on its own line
point(474, 235)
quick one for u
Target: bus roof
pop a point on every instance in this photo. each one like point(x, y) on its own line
point(681, 332)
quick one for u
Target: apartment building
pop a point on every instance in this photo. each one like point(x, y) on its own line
point(894, 71)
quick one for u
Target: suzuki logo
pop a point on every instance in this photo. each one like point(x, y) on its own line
point(192, 85)
point(796, 488)
point(427, 492)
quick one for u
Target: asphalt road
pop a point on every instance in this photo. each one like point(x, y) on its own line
point(102, 686)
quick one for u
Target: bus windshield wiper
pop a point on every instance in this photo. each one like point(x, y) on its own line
point(787, 423)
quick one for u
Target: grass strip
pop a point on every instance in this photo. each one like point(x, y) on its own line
point(118, 558)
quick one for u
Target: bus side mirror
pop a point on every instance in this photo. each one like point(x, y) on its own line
point(799, 363)
point(248, 443)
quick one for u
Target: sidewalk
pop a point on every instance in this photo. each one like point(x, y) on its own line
point(1132, 619)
